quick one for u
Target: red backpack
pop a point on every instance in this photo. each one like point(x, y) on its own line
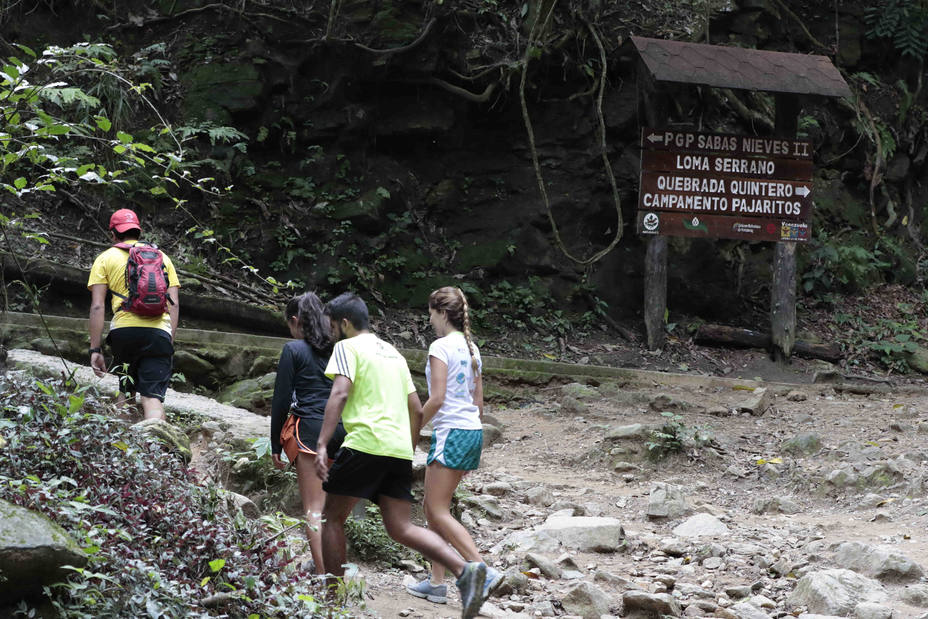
point(146, 279)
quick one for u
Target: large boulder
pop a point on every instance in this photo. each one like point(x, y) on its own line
point(701, 525)
point(667, 501)
point(878, 562)
point(585, 533)
point(652, 604)
point(170, 435)
point(33, 552)
point(835, 592)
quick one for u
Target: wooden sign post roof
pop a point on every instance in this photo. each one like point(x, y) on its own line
point(784, 74)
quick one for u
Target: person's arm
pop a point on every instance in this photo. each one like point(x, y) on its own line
point(174, 309)
point(478, 394)
point(280, 403)
point(438, 384)
point(415, 417)
point(341, 389)
point(97, 318)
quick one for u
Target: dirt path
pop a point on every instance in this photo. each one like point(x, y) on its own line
point(544, 445)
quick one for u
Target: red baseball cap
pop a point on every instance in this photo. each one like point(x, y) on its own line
point(124, 219)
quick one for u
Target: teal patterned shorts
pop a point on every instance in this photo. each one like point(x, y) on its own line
point(456, 449)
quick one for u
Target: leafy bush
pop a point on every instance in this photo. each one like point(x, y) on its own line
point(904, 22)
point(674, 436)
point(159, 544)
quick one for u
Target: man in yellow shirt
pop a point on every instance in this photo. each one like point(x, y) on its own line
point(142, 346)
point(373, 394)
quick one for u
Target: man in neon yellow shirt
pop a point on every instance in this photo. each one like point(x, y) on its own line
point(143, 346)
point(373, 394)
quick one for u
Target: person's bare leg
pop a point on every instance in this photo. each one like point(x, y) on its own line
point(440, 484)
point(334, 514)
point(397, 520)
point(153, 408)
point(313, 498)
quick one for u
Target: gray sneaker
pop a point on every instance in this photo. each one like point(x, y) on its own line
point(433, 593)
point(493, 581)
point(470, 584)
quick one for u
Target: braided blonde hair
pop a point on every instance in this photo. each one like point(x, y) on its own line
point(452, 301)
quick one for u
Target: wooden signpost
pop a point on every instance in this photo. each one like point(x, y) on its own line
point(717, 185)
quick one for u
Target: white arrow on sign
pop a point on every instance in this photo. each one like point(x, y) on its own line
point(655, 137)
point(803, 191)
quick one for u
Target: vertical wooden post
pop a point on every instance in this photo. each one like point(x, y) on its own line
point(783, 290)
point(653, 102)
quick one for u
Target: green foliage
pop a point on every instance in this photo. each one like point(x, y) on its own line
point(370, 542)
point(889, 338)
point(158, 543)
point(904, 22)
point(839, 265)
point(674, 436)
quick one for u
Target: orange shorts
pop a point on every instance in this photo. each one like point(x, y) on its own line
point(290, 439)
point(300, 435)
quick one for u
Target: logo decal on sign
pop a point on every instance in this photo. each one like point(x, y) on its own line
point(794, 231)
point(695, 224)
point(651, 222)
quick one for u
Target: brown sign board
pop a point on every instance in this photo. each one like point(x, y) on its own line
point(703, 142)
point(714, 185)
point(726, 165)
point(721, 227)
point(740, 197)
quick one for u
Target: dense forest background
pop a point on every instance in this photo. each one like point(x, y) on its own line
point(384, 146)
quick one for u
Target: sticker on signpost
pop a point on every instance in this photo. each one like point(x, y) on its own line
point(651, 222)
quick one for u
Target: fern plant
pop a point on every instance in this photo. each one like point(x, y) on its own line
point(904, 22)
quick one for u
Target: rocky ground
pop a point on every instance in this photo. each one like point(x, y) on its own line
point(789, 500)
point(807, 501)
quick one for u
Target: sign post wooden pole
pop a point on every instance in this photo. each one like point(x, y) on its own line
point(783, 290)
point(654, 104)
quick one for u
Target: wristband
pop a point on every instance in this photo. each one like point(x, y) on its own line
point(95, 349)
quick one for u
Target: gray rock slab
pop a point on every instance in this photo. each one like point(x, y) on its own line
point(667, 501)
point(548, 567)
point(835, 592)
point(881, 562)
point(585, 533)
point(33, 550)
point(657, 604)
point(757, 403)
point(701, 525)
point(745, 610)
point(871, 610)
point(586, 600)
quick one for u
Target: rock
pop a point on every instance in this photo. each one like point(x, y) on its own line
point(33, 551)
point(878, 562)
point(574, 407)
point(655, 604)
point(586, 600)
point(745, 610)
point(585, 533)
point(797, 396)
point(411, 566)
point(491, 434)
point(539, 495)
point(871, 610)
point(738, 592)
point(514, 582)
point(804, 444)
point(242, 502)
point(252, 394)
point(712, 563)
point(775, 505)
point(489, 505)
point(666, 501)
point(663, 402)
point(757, 404)
point(497, 488)
point(700, 525)
point(635, 431)
point(835, 592)
point(548, 567)
point(529, 541)
point(580, 391)
point(673, 547)
point(620, 466)
point(171, 435)
point(543, 608)
point(915, 595)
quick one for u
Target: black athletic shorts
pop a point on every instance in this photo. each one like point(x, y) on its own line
point(363, 475)
point(142, 359)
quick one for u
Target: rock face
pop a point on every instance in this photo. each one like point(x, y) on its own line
point(33, 550)
point(835, 592)
point(878, 562)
